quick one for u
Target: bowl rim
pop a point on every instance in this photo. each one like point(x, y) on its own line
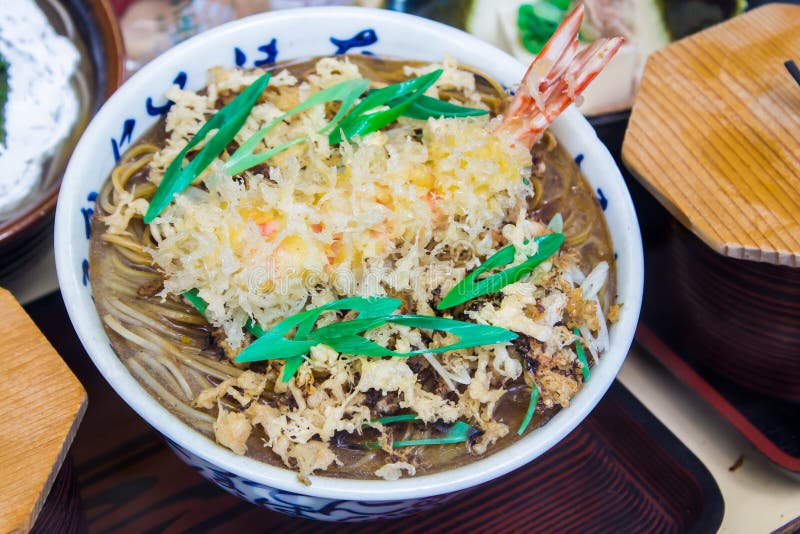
point(484, 469)
point(40, 213)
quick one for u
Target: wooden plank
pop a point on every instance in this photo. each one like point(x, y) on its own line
point(714, 135)
point(41, 404)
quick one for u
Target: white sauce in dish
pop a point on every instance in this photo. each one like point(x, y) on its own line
point(42, 105)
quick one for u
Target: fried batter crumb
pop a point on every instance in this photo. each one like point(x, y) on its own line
point(613, 313)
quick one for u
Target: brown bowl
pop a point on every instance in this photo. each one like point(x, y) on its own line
point(742, 318)
point(91, 24)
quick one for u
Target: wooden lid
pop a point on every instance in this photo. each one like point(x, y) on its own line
point(715, 134)
point(41, 404)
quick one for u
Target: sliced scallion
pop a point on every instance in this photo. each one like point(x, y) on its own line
point(201, 305)
point(556, 224)
point(272, 344)
point(346, 92)
point(426, 107)
point(468, 288)
point(227, 121)
point(195, 300)
point(342, 336)
point(531, 409)
point(362, 119)
point(581, 354)
point(407, 417)
point(459, 432)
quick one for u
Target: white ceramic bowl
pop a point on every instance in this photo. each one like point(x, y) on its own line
point(300, 33)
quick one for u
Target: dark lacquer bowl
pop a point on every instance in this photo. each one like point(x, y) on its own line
point(742, 317)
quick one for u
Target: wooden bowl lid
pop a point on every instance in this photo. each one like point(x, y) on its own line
point(41, 404)
point(715, 134)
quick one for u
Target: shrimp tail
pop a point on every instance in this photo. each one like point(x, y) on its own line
point(557, 76)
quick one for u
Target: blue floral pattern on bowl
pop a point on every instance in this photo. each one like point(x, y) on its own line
point(306, 506)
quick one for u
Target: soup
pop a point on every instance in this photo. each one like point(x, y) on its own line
point(301, 311)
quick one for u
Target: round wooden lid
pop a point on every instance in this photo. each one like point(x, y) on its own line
point(715, 134)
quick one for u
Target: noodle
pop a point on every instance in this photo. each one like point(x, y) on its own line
point(182, 408)
point(113, 323)
point(178, 356)
point(176, 373)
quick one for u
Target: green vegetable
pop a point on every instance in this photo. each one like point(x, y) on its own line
point(410, 417)
point(581, 354)
point(405, 98)
point(342, 337)
point(365, 307)
point(227, 121)
point(346, 92)
point(293, 350)
point(538, 21)
point(293, 363)
point(556, 224)
point(457, 433)
point(535, 29)
point(201, 305)
point(291, 367)
point(548, 14)
point(193, 297)
point(3, 98)
point(426, 107)
point(363, 120)
point(561, 4)
point(531, 409)
point(274, 345)
point(468, 288)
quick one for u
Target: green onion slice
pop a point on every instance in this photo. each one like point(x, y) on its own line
point(304, 322)
point(346, 92)
point(426, 107)
point(291, 367)
point(193, 297)
point(556, 224)
point(458, 433)
point(362, 120)
point(365, 307)
point(581, 354)
point(293, 363)
point(388, 420)
point(468, 288)
point(531, 409)
point(273, 344)
point(538, 21)
point(227, 121)
point(342, 337)
point(201, 305)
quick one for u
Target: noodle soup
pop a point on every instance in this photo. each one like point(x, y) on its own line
point(406, 212)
